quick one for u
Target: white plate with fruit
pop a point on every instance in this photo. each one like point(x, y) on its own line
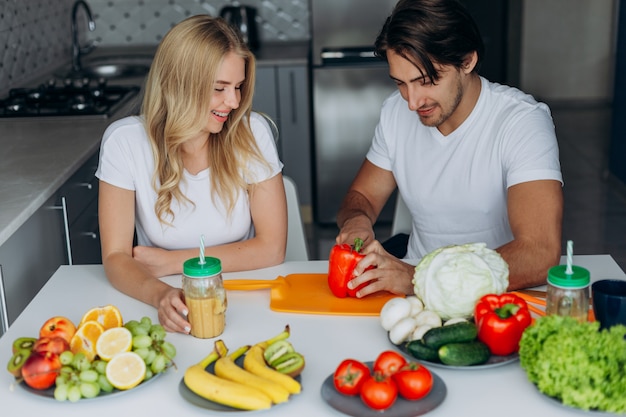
point(101, 356)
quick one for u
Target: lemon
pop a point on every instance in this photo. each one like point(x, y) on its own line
point(113, 341)
point(126, 370)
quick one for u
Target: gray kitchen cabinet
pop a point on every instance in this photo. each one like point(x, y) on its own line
point(282, 92)
point(81, 198)
point(31, 255)
point(36, 250)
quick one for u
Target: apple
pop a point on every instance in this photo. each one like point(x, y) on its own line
point(41, 369)
point(58, 326)
point(54, 344)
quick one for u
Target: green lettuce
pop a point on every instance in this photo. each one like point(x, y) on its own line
point(576, 363)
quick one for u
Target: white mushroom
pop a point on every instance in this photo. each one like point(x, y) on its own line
point(402, 330)
point(428, 317)
point(416, 305)
point(419, 331)
point(393, 311)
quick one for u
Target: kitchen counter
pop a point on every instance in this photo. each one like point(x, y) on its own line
point(324, 340)
point(40, 154)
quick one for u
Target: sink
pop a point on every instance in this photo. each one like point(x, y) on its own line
point(112, 67)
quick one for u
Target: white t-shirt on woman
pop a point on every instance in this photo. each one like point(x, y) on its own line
point(126, 161)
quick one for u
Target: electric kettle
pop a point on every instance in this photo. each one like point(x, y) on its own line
point(244, 19)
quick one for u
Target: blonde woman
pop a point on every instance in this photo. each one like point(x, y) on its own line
point(197, 162)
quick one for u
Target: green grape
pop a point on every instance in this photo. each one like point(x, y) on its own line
point(131, 325)
point(67, 370)
point(142, 341)
point(104, 383)
point(80, 362)
point(149, 374)
point(142, 352)
point(158, 364)
point(61, 392)
point(146, 321)
point(157, 332)
point(73, 393)
point(89, 375)
point(168, 349)
point(66, 357)
point(100, 366)
point(150, 358)
point(89, 389)
point(140, 330)
point(62, 379)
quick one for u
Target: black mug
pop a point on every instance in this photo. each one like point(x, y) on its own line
point(609, 302)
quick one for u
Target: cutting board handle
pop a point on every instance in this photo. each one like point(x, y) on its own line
point(252, 284)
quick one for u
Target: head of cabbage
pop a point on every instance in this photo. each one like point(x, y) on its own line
point(451, 279)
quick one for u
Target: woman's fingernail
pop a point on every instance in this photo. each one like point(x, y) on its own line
point(187, 329)
point(185, 313)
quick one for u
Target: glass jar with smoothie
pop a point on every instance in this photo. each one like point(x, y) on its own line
point(205, 296)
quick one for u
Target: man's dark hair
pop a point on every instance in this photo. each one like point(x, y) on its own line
point(428, 32)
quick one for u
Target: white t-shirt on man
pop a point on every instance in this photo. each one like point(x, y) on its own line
point(126, 161)
point(455, 186)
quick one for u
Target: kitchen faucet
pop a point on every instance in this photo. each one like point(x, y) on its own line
point(76, 49)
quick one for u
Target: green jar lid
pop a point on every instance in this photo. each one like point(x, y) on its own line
point(194, 269)
point(579, 278)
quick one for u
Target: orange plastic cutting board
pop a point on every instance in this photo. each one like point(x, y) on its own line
point(309, 294)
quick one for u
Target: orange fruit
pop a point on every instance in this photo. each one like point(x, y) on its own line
point(85, 338)
point(126, 370)
point(108, 316)
point(114, 341)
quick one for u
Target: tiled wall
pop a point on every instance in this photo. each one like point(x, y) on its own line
point(123, 22)
point(35, 35)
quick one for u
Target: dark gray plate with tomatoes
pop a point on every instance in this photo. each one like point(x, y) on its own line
point(354, 406)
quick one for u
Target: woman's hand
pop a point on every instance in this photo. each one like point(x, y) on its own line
point(389, 273)
point(156, 261)
point(172, 311)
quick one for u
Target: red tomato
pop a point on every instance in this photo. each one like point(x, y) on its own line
point(414, 381)
point(388, 362)
point(350, 375)
point(379, 392)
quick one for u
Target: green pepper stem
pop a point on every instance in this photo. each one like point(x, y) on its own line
point(358, 244)
point(507, 310)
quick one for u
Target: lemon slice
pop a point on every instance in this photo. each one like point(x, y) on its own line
point(113, 341)
point(126, 370)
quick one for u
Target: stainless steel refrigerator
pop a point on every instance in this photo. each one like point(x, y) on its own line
point(349, 86)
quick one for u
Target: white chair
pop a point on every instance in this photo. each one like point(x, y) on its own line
point(401, 218)
point(4, 315)
point(296, 238)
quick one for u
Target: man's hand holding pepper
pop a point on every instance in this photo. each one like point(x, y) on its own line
point(356, 227)
point(385, 273)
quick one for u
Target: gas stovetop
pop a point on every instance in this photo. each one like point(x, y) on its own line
point(66, 98)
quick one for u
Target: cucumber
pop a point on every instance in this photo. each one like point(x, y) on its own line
point(419, 350)
point(453, 333)
point(464, 353)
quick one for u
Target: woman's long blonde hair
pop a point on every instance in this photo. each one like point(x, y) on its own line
point(176, 106)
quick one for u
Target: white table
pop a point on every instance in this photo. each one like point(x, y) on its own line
point(324, 341)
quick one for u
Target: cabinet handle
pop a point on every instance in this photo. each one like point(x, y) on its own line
point(4, 313)
point(86, 184)
point(66, 226)
point(292, 90)
point(90, 234)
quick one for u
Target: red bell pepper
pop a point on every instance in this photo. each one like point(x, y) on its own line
point(341, 263)
point(501, 320)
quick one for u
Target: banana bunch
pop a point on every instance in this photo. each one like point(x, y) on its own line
point(256, 386)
